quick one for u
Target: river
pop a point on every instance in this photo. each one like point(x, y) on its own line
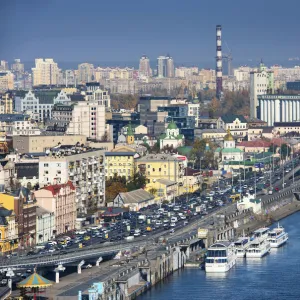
point(276, 276)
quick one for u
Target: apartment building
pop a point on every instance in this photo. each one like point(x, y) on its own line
point(45, 225)
point(97, 95)
point(38, 104)
point(161, 166)
point(85, 73)
point(84, 167)
point(83, 118)
point(40, 143)
point(17, 124)
point(45, 72)
point(6, 81)
point(120, 163)
point(59, 199)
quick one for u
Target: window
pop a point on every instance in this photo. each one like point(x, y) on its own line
point(59, 164)
point(46, 165)
point(148, 173)
point(153, 170)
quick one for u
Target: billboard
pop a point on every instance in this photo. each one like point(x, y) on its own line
point(202, 233)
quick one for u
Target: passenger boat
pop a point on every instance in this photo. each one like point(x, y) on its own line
point(277, 237)
point(259, 245)
point(220, 258)
point(241, 245)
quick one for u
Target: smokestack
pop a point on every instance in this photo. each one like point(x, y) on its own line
point(219, 89)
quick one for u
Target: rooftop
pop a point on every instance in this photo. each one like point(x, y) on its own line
point(41, 211)
point(119, 153)
point(230, 118)
point(136, 196)
point(254, 144)
point(57, 187)
point(158, 157)
point(166, 182)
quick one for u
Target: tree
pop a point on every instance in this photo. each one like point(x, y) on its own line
point(285, 151)
point(105, 137)
point(153, 191)
point(137, 182)
point(273, 148)
point(113, 189)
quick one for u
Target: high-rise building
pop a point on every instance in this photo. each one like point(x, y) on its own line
point(165, 66)
point(261, 83)
point(85, 73)
point(4, 65)
point(45, 72)
point(17, 68)
point(170, 66)
point(6, 81)
point(144, 67)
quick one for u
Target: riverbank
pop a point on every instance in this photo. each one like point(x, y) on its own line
point(270, 218)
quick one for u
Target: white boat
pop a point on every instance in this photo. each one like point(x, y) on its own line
point(220, 258)
point(277, 237)
point(241, 245)
point(259, 245)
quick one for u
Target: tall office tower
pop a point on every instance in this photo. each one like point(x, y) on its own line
point(45, 72)
point(165, 66)
point(144, 67)
point(4, 65)
point(85, 73)
point(17, 68)
point(261, 82)
point(170, 70)
point(219, 89)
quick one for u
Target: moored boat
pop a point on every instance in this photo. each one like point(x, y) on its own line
point(277, 237)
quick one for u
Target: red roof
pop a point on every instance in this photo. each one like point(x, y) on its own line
point(55, 188)
point(254, 144)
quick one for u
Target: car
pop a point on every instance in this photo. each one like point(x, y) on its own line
point(29, 253)
point(86, 238)
point(173, 224)
point(51, 250)
point(172, 231)
point(182, 217)
point(185, 222)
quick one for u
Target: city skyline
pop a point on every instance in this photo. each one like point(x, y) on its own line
point(125, 32)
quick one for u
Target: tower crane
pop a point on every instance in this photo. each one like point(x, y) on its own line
point(228, 58)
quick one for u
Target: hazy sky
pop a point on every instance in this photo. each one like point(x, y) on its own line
point(123, 30)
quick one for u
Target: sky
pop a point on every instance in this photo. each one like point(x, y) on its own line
point(122, 31)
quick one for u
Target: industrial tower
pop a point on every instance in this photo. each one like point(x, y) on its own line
point(219, 88)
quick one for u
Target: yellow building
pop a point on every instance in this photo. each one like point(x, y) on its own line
point(163, 189)
point(8, 231)
point(6, 106)
point(161, 166)
point(120, 163)
point(7, 201)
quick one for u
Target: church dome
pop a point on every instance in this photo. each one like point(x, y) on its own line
point(228, 136)
point(172, 125)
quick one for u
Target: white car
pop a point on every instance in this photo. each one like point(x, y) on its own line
point(158, 222)
point(176, 208)
point(172, 225)
point(51, 250)
point(81, 232)
point(183, 217)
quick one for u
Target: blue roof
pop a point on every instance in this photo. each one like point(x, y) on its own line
point(13, 117)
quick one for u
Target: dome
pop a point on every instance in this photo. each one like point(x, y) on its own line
point(172, 125)
point(228, 136)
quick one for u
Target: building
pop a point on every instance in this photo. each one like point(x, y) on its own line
point(45, 72)
point(229, 153)
point(144, 67)
point(261, 83)
point(283, 128)
point(81, 118)
point(17, 68)
point(194, 110)
point(60, 200)
point(237, 124)
point(45, 225)
point(293, 85)
point(210, 134)
point(242, 73)
point(6, 104)
point(278, 108)
point(148, 107)
point(4, 65)
point(40, 143)
point(8, 231)
point(254, 146)
point(161, 166)
point(134, 200)
point(6, 81)
point(84, 167)
point(24, 207)
point(85, 73)
point(165, 67)
point(119, 163)
point(172, 137)
point(39, 103)
point(18, 124)
point(96, 95)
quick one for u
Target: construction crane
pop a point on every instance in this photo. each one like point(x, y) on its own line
point(228, 58)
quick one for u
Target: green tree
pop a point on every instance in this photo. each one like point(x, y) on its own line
point(285, 151)
point(153, 191)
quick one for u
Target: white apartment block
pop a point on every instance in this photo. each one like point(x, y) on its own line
point(242, 73)
point(194, 110)
point(84, 118)
point(85, 168)
point(45, 72)
point(85, 73)
point(97, 95)
point(261, 83)
point(39, 104)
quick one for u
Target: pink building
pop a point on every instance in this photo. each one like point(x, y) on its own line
point(60, 199)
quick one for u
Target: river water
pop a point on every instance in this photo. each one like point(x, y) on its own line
point(276, 276)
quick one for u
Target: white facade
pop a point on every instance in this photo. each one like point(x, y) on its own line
point(261, 82)
point(88, 118)
point(172, 137)
point(45, 225)
point(279, 108)
point(144, 67)
point(40, 109)
point(45, 72)
point(194, 110)
point(100, 97)
point(85, 170)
